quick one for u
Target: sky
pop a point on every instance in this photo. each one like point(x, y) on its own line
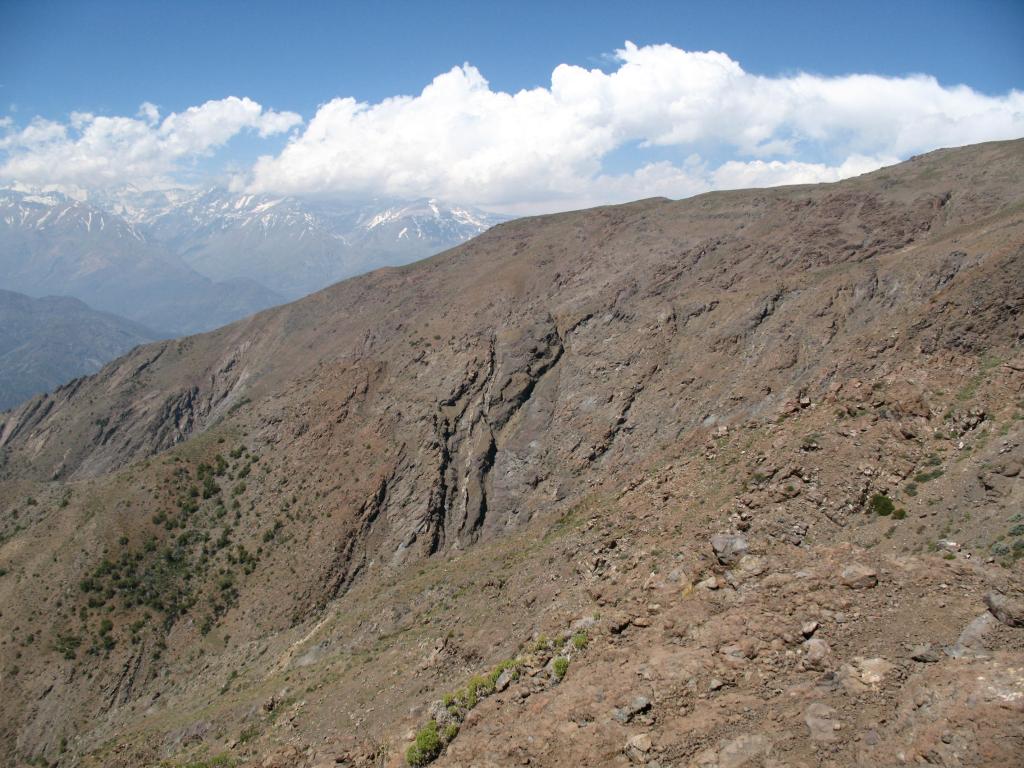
point(517, 107)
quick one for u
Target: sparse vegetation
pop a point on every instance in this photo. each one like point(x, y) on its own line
point(426, 747)
point(881, 504)
point(560, 666)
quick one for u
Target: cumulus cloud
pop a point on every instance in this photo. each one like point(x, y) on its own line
point(543, 148)
point(94, 151)
point(677, 122)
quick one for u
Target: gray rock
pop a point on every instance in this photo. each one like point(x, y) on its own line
point(638, 705)
point(971, 642)
point(637, 747)
point(925, 654)
point(820, 720)
point(728, 547)
point(1006, 609)
point(817, 652)
point(504, 680)
point(744, 751)
point(857, 576)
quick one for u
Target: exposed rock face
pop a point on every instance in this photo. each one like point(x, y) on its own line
point(1006, 609)
point(351, 504)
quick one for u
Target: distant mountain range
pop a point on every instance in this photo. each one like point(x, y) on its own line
point(182, 261)
point(45, 342)
point(293, 246)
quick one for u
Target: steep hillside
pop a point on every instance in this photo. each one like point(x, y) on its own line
point(285, 540)
point(47, 342)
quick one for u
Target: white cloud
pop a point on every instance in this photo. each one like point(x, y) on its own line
point(759, 173)
point(94, 151)
point(546, 148)
point(542, 148)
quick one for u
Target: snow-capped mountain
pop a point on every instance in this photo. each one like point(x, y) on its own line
point(55, 211)
point(129, 251)
point(51, 244)
point(295, 246)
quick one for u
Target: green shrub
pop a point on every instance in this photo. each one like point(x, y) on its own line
point(580, 641)
point(426, 747)
point(67, 645)
point(508, 664)
point(450, 732)
point(899, 514)
point(560, 667)
point(881, 504)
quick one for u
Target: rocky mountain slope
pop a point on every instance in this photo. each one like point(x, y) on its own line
point(47, 342)
point(729, 481)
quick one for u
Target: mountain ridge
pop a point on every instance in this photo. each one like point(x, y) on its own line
point(287, 245)
point(48, 341)
point(702, 433)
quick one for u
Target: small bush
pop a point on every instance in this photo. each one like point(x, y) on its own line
point(427, 746)
point(67, 645)
point(560, 667)
point(899, 514)
point(881, 504)
point(508, 664)
point(580, 641)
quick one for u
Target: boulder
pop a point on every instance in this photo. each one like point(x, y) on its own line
point(857, 576)
point(820, 720)
point(971, 642)
point(925, 654)
point(817, 653)
point(729, 547)
point(1006, 609)
point(637, 747)
point(504, 680)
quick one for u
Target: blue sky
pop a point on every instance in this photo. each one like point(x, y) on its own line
point(108, 58)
